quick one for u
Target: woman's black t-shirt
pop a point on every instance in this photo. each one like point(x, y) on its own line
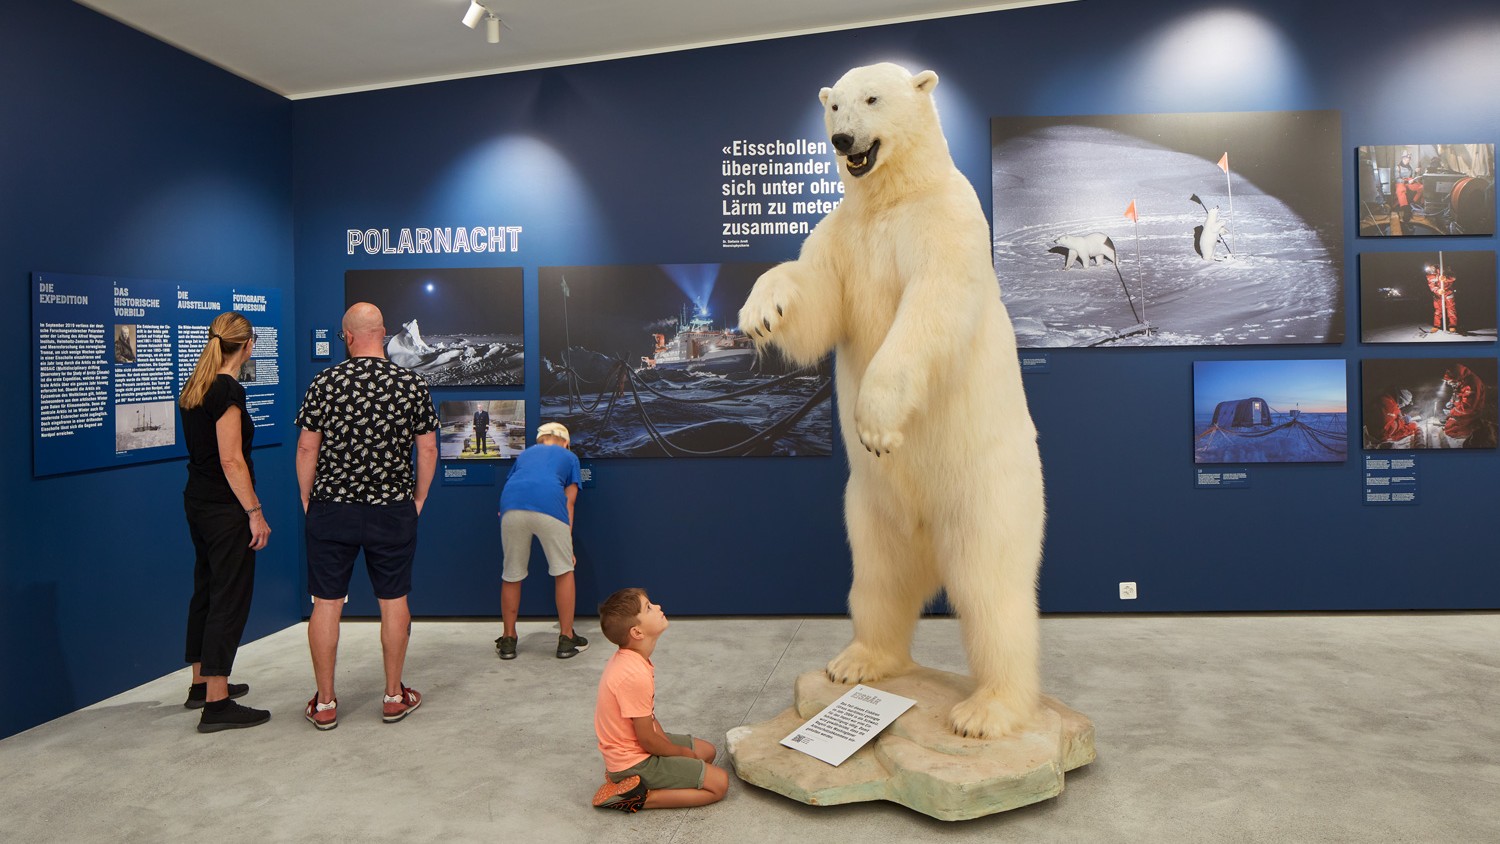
point(206, 481)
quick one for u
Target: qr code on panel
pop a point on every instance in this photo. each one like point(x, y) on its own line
point(801, 739)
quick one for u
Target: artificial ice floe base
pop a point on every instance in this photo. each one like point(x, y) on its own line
point(917, 761)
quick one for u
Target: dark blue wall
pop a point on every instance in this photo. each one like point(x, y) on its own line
point(617, 163)
point(122, 156)
point(119, 155)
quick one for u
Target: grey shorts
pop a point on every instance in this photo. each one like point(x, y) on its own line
point(667, 771)
point(517, 527)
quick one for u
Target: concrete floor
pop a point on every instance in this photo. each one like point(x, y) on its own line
point(1290, 728)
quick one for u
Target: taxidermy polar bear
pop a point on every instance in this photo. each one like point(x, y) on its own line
point(1095, 246)
point(1208, 237)
point(945, 482)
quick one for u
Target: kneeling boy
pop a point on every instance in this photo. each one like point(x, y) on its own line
point(673, 770)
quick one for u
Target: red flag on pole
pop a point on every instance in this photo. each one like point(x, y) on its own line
point(1224, 164)
point(1130, 212)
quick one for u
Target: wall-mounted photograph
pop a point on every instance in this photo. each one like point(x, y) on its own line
point(481, 430)
point(1170, 229)
point(1426, 189)
point(1270, 411)
point(145, 425)
point(1430, 403)
point(1427, 297)
point(455, 327)
point(648, 361)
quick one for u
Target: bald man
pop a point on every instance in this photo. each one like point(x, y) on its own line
point(359, 421)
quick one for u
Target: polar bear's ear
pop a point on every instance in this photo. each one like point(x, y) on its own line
point(824, 94)
point(924, 81)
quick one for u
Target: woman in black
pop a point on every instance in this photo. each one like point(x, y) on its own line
point(225, 520)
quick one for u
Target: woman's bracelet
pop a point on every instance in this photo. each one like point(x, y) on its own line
point(253, 510)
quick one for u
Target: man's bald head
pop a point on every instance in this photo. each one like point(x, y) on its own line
point(364, 330)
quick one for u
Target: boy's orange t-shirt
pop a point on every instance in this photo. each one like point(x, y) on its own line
point(626, 690)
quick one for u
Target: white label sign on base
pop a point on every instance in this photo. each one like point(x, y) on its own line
point(845, 725)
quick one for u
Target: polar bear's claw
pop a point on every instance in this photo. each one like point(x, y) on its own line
point(860, 664)
point(986, 715)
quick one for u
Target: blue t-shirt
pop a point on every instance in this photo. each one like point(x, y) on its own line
point(538, 480)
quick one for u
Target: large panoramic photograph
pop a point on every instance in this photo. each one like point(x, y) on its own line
point(1170, 229)
point(454, 327)
point(647, 361)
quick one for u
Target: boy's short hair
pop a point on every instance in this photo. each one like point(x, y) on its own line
point(619, 613)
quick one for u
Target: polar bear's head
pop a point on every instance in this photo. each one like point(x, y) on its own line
point(878, 113)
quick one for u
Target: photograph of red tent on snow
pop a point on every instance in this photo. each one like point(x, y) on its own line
point(1270, 411)
point(1170, 229)
point(1429, 403)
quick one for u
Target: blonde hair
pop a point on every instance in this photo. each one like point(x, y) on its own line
point(227, 334)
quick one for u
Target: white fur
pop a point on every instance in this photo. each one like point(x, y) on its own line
point(1094, 246)
point(1208, 239)
point(945, 483)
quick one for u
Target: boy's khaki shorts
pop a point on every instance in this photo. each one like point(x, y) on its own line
point(667, 771)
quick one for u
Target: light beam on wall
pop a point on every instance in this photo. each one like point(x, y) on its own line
point(1221, 59)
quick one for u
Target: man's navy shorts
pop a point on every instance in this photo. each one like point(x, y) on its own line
point(337, 530)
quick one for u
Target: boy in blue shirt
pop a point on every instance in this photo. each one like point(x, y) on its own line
point(538, 502)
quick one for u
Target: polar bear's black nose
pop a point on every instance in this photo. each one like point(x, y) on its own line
point(842, 142)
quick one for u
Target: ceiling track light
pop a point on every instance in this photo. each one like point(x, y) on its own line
point(478, 12)
point(475, 14)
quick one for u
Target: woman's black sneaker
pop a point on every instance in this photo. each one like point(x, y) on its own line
point(232, 717)
point(198, 693)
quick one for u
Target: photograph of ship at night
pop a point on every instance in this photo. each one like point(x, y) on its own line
point(454, 327)
point(1270, 411)
point(647, 361)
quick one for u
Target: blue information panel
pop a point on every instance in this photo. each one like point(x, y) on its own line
point(1390, 479)
point(1222, 479)
point(468, 474)
point(110, 356)
point(1035, 363)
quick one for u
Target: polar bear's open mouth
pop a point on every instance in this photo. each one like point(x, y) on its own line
point(860, 163)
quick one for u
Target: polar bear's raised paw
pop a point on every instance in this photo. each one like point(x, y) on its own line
point(767, 305)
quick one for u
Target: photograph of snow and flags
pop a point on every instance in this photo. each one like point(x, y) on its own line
point(1170, 229)
point(1270, 411)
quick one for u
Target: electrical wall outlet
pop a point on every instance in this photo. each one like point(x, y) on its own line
point(1127, 590)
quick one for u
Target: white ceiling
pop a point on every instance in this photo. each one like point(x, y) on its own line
point(309, 48)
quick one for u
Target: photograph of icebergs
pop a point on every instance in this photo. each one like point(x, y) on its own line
point(1429, 403)
point(1170, 229)
point(1427, 297)
point(481, 430)
point(1426, 189)
point(1270, 411)
point(648, 361)
point(456, 327)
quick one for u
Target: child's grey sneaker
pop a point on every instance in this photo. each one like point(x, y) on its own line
point(569, 646)
point(505, 646)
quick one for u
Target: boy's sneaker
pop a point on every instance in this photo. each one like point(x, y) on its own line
point(324, 716)
point(231, 717)
point(569, 646)
point(400, 706)
point(627, 795)
point(505, 646)
point(198, 694)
